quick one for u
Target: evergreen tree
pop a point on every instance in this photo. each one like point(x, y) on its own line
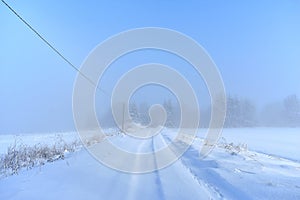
point(170, 113)
point(134, 113)
point(292, 110)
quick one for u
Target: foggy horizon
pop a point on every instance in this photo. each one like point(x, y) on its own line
point(254, 45)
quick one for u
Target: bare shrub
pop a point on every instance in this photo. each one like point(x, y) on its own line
point(234, 149)
point(20, 156)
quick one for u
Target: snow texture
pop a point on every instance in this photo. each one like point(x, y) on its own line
point(246, 164)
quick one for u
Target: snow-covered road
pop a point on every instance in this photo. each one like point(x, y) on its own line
point(229, 172)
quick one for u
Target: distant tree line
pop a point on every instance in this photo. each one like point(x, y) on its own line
point(241, 112)
point(285, 113)
point(139, 113)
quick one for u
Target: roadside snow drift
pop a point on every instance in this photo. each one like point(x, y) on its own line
point(257, 165)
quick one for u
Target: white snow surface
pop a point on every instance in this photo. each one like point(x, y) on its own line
point(268, 169)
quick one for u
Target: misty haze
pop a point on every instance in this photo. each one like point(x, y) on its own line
point(150, 100)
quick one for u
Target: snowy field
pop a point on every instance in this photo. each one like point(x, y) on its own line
point(258, 163)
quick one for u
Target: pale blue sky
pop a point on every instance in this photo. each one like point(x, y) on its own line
point(255, 44)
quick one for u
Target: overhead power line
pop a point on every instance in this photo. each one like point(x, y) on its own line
point(51, 46)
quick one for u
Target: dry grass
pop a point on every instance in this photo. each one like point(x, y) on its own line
point(20, 156)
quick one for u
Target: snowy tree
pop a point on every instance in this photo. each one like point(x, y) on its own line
point(292, 110)
point(144, 117)
point(248, 118)
point(170, 113)
point(233, 112)
point(134, 113)
point(240, 113)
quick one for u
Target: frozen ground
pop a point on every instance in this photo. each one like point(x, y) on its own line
point(261, 164)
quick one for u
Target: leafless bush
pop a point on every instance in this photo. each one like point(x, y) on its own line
point(19, 156)
point(234, 149)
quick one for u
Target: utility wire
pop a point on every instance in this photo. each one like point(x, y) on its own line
point(51, 46)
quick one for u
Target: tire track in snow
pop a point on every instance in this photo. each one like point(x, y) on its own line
point(204, 171)
point(140, 186)
point(157, 175)
point(133, 184)
point(212, 191)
